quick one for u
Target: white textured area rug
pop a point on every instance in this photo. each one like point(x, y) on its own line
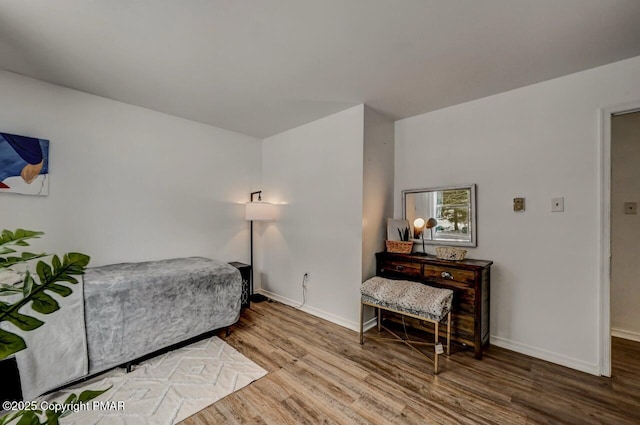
point(166, 389)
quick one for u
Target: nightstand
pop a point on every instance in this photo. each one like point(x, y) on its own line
point(245, 272)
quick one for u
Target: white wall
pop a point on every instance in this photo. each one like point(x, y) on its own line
point(316, 171)
point(625, 228)
point(377, 203)
point(128, 184)
point(539, 142)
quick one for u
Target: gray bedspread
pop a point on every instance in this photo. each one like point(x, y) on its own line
point(133, 309)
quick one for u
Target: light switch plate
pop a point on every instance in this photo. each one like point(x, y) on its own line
point(631, 208)
point(557, 205)
point(518, 204)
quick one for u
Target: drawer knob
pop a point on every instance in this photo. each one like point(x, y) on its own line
point(446, 275)
point(399, 267)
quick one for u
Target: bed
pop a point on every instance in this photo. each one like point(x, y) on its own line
point(134, 309)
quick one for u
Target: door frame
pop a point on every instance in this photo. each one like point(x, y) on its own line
point(604, 196)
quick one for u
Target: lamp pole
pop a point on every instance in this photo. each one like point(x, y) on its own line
point(253, 297)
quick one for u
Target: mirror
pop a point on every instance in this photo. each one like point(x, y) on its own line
point(454, 209)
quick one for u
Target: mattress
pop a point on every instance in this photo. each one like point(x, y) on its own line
point(134, 309)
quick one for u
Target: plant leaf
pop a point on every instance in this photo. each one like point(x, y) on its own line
point(82, 398)
point(10, 238)
point(76, 262)
point(91, 394)
point(6, 250)
point(10, 343)
point(7, 290)
point(29, 418)
point(52, 417)
point(67, 278)
point(59, 289)
point(6, 419)
point(55, 262)
point(26, 256)
point(27, 234)
point(27, 284)
point(43, 303)
point(24, 322)
point(44, 272)
point(71, 399)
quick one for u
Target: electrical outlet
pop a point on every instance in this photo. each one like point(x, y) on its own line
point(557, 205)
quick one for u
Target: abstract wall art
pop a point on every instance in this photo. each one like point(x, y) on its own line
point(24, 165)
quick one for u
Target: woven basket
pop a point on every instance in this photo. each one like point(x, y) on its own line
point(400, 247)
point(449, 253)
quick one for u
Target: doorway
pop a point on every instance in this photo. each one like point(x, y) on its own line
point(625, 226)
point(620, 241)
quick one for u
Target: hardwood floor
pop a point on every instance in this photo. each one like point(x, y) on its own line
point(319, 373)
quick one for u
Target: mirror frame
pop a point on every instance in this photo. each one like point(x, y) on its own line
point(472, 197)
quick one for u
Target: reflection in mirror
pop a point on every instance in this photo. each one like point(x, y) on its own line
point(452, 207)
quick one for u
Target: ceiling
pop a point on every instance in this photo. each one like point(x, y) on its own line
point(260, 67)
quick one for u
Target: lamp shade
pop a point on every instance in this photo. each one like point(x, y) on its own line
point(259, 211)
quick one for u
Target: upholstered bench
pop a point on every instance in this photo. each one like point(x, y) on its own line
point(412, 299)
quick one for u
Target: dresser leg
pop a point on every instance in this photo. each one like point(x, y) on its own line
point(449, 334)
point(478, 351)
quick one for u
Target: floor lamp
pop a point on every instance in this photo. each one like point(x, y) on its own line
point(257, 211)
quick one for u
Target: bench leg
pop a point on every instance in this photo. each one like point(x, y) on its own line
point(227, 331)
point(435, 358)
point(449, 334)
point(361, 323)
point(379, 319)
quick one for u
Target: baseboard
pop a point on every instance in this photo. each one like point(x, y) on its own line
point(549, 356)
point(354, 326)
point(621, 333)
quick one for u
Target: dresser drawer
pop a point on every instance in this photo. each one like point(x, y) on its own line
point(401, 268)
point(464, 300)
point(466, 277)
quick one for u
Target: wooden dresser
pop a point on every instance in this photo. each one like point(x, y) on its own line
point(469, 280)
